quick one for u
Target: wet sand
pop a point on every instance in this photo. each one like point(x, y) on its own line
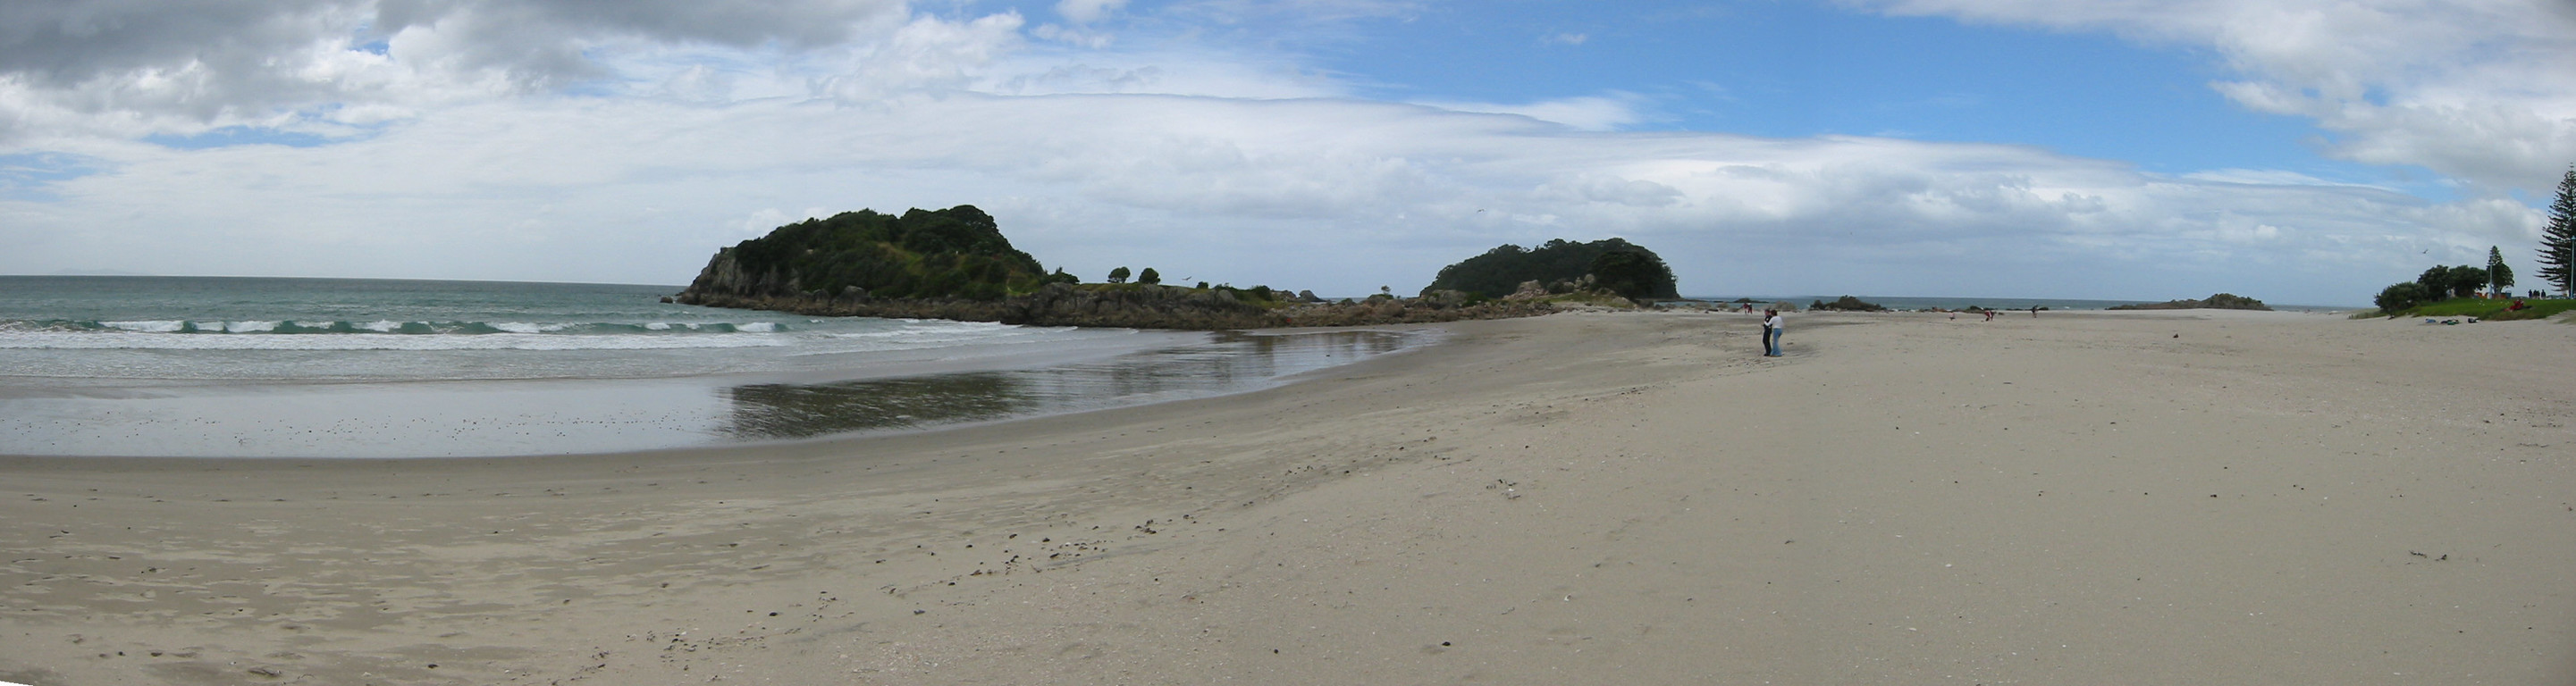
point(2194, 497)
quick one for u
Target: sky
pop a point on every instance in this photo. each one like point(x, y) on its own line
point(2297, 151)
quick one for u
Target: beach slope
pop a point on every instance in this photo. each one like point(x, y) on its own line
point(2169, 497)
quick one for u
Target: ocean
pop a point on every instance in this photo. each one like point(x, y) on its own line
point(375, 368)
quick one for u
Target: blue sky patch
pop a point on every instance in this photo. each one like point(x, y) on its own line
point(32, 175)
point(237, 135)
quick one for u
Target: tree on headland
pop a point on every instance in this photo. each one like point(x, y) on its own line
point(1149, 276)
point(2452, 282)
point(2558, 239)
point(1632, 274)
point(2499, 276)
point(1501, 271)
point(2466, 281)
point(1118, 275)
point(2402, 296)
point(957, 252)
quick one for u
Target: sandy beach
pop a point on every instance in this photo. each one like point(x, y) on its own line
point(2091, 497)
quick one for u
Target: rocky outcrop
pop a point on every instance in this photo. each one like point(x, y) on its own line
point(1137, 306)
point(2222, 301)
point(1140, 306)
point(1847, 304)
point(955, 264)
point(1380, 310)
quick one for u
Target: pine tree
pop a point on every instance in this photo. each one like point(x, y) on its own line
point(2558, 241)
point(2499, 275)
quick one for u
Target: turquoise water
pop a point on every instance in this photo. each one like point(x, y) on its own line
point(260, 367)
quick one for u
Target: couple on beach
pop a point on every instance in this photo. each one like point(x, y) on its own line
point(1771, 333)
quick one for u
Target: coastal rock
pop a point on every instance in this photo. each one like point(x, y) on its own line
point(1139, 306)
point(2221, 301)
point(955, 264)
point(1847, 304)
point(1613, 264)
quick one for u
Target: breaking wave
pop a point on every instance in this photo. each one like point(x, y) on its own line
point(288, 334)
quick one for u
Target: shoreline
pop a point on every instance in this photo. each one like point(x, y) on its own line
point(895, 391)
point(1633, 497)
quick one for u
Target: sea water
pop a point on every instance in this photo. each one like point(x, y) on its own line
point(268, 367)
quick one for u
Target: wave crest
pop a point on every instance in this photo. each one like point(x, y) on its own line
point(414, 328)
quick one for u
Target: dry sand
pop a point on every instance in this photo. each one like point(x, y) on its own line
point(2078, 498)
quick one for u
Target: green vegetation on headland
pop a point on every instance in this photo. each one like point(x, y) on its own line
point(2221, 301)
point(2464, 291)
point(2454, 291)
point(1561, 266)
point(957, 252)
point(2481, 308)
point(955, 264)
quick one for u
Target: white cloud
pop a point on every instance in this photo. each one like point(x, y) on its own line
point(1325, 194)
point(2479, 90)
point(623, 142)
point(127, 69)
point(760, 222)
point(1588, 113)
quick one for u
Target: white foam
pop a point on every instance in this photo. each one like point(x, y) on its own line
point(658, 326)
point(157, 326)
point(52, 340)
point(756, 327)
point(519, 327)
point(249, 327)
point(382, 326)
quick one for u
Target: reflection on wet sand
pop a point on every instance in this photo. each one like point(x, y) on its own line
point(1229, 363)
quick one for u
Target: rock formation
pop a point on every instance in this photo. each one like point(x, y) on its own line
point(954, 264)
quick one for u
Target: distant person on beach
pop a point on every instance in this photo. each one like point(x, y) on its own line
point(1990, 315)
point(1771, 333)
point(2034, 311)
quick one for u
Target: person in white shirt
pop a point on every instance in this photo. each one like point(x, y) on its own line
point(1771, 333)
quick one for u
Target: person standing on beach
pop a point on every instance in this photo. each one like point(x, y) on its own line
point(1771, 333)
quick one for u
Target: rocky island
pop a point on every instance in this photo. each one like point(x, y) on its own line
point(2221, 301)
point(955, 264)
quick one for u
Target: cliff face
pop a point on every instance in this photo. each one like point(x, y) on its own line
point(724, 276)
